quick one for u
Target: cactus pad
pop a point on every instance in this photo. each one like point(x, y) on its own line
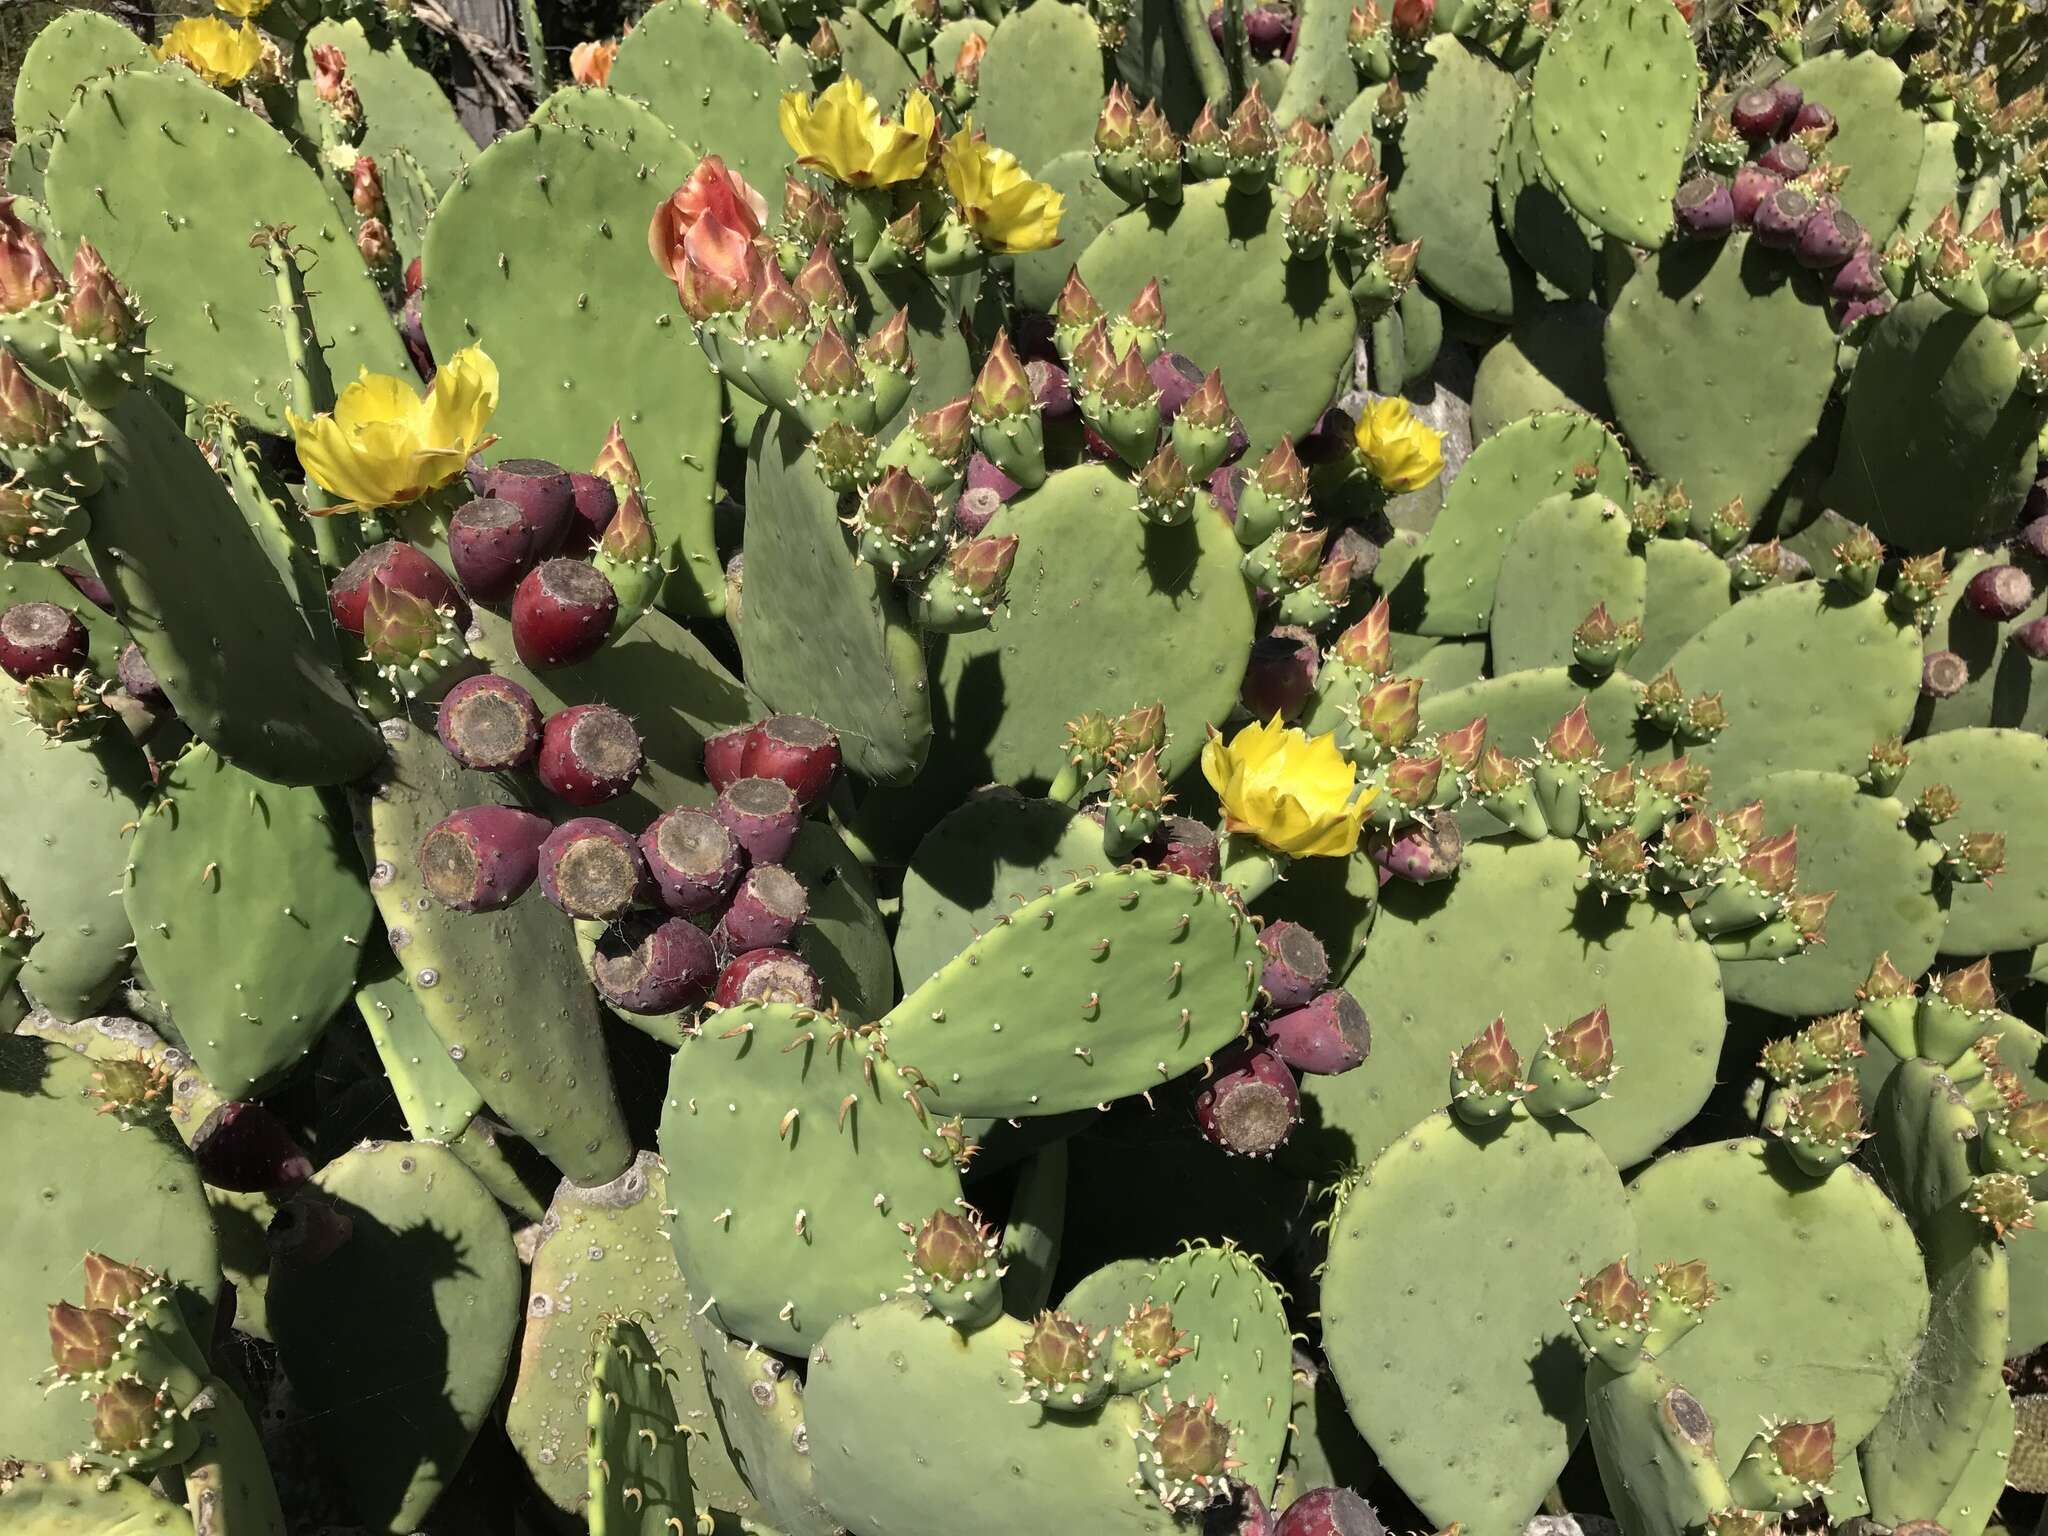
point(713, 85)
point(1550, 361)
point(1685, 588)
point(637, 1469)
point(404, 110)
point(1995, 774)
point(58, 1499)
point(1569, 555)
point(1877, 137)
point(1041, 82)
point(757, 1406)
point(1562, 247)
point(72, 49)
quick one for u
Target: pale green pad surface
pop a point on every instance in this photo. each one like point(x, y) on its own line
point(1998, 777)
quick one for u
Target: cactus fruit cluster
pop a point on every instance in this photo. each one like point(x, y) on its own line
point(1104, 765)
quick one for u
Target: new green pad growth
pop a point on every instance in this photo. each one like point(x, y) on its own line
point(637, 1468)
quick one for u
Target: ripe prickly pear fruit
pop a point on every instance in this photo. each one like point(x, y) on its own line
point(1781, 216)
point(725, 755)
point(766, 909)
point(1758, 115)
point(768, 976)
point(589, 753)
point(2000, 592)
point(562, 613)
point(1943, 674)
point(796, 751)
point(1788, 159)
point(1061, 1364)
point(246, 1147)
point(1858, 280)
point(1752, 185)
point(543, 493)
point(764, 815)
point(400, 567)
point(654, 964)
point(1184, 846)
point(138, 680)
point(1814, 118)
point(2032, 639)
point(1281, 673)
point(491, 547)
point(84, 1341)
point(1331, 1034)
point(592, 868)
point(693, 859)
point(1420, 852)
point(1250, 1104)
point(1330, 1512)
point(38, 638)
point(1828, 239)
point(1612, 1315)
point(1704, 208)
point(594, 501)
point(482, 857)
point(489, 723)
point(954, 1269)
point(1296, 966)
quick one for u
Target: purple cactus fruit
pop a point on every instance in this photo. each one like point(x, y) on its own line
point(1330, 1512)
point(1250, 1517)
point(1176, 378)
point(651, 964)
point(1756, 115)
point(725, 755)
point(412, 328)
point(764, 815)
point(1296, 966)
point(768, 976)
point(1704, 208)
point(1790, 99)
point(1858, 278)
point(2000, 592)
point(1422, 854)
point(482, 857)
point(38, 638)
point(89, 587)
point(2034, 537)
point(1250, 1103)
point(984, 474)
point(2032, 639)
point(765, 911)
point(1864, 309)
point(1050, 389)
point(596, 503)
point(794, 750)
point(489, 723)
point(491, 547)
point(1828, 239)
point(693, 859)
point(562, 613)
point(1943, 674)
point(543, 493)
point(1812, 117)
point(975, 510)
point(1330, 1035)
point(1751, 186)
point(137, 678)
point(247, 1148)
point(1281, 673)
point(403, 569)
point(1789, 160)
point(1269, 31)
point(1782, 216)
point(1184, 846)
point(592, 868)
point(589, 753)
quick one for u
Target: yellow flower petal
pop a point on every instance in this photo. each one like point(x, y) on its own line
point(1401, 453)
point(383, 445)
point(1295, 795)
point(461, 402)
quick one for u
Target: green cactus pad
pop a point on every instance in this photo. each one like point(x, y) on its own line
point(1938, 438)
point(1089, 209)
point(210, 614)
point(539, 254)
point(1321, 79)
point(1550, 361)
point(228, 1484)
point(76, 46)
point(398, 1338)
point(1562, 247)
point(2026, 1255)
point(437, 1101)
point(1686, 588)
point(1496, 1229)
point(1692, 338)
point(1521, 707)
point(1920, 1451)
point(223, 859)
point(1972, 1506)
point(1569, 555)
point(712, 84)
point(1105, 612)
point(986, 858)
point(1325, 1450)
point(1853, 844)
point(825, 634)
point(1835, 1343)
point(1449, 590)
point(1937, 182)
point(1613, 98)
point(844, 939)
point(129, 144)
point(887, 1366)
point(637, 1469)
point(1236, 1333)
point(1104, 988)
point(1281, 331)
point(799, 1226)
point(54, 1499)
point(1443, 175)
point(867, 54)
point(541, 1065)
point(757, 1406)
point(2001, 688)
point(1996, 775)
point(1656, 1450)
point(404, 109)
point(1041, 82)
point(1844, 675)
point(1877, 137)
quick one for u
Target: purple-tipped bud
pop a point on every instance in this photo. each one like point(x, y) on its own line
point(38, 638)
point(1751, 186)
point(693, 860)
point(401, 568)
point(30, 415)
point(1330, 1512)
point(1250, 1104)
point(650, 964)
point(1296, 966)
point(543, 493)
point(592, 868)
point(1281, 673)
point(768, 976)
point(489, 723)
point(115, 1286)
point(1116, 126)
point(2000, 592)
point(1828, 239)
point(1330, 1035)
point(97, 308)
point(562, 613)
point(482, 857)
point(795, 750)
point(1705, 208)
point(1781, 216)
point(1943, 674)
point(246, 1147)
point(765, 911)
point(981, 567)
point(1390, 711)
point(764, 815)
point(831, 368)
point(589, 753)
point(27, 275)
point(490, 544)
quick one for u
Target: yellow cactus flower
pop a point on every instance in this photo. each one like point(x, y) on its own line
point(1294, 794)
point(216, 52)
point(1005, 208)
point(1403, 454)
point(384, 444)
point(845, 136)
point(245, 9)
